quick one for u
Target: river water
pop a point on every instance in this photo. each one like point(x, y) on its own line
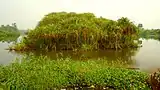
point(147, 58)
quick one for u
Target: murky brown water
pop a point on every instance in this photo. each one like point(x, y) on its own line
point(147, 58)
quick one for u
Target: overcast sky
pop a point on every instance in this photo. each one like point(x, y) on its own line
point(26, 13)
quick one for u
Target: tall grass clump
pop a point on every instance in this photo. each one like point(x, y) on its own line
point(41, 73)
point(69, 31)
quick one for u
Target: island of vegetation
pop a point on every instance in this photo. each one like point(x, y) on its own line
point(84, 31)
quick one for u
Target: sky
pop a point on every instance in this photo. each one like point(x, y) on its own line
point(27, 13)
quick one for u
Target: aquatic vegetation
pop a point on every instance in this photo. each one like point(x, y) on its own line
point(18, 46)
point(86, 47)
point(43, 73)
point(70, 31)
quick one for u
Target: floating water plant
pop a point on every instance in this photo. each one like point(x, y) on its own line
point(43, 73)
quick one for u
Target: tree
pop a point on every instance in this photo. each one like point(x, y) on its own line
point(140, 25)
point(14, 25)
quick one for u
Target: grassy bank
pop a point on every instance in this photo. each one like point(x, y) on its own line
point(42, 73)
point(80, 31)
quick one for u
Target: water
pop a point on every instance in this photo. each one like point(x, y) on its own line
point(6, 57)
point(147, 58)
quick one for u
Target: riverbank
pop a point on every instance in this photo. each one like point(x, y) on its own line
point(44, 73)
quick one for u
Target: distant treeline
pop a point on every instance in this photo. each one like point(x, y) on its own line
point(9, 32)
point(150, 33)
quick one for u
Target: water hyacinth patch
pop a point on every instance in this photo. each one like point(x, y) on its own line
point(44, 73)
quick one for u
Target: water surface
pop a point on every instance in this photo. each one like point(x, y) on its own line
point(6, 56)
point(148, 57)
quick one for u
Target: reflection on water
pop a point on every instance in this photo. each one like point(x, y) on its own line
point(110, 54)
point(146, 57)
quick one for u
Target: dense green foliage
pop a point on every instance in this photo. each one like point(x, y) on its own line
point(41, 73)
point(69, 31)
point(9, 33)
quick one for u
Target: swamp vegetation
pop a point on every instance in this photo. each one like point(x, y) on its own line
point(61, 31)
point(84, 31)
